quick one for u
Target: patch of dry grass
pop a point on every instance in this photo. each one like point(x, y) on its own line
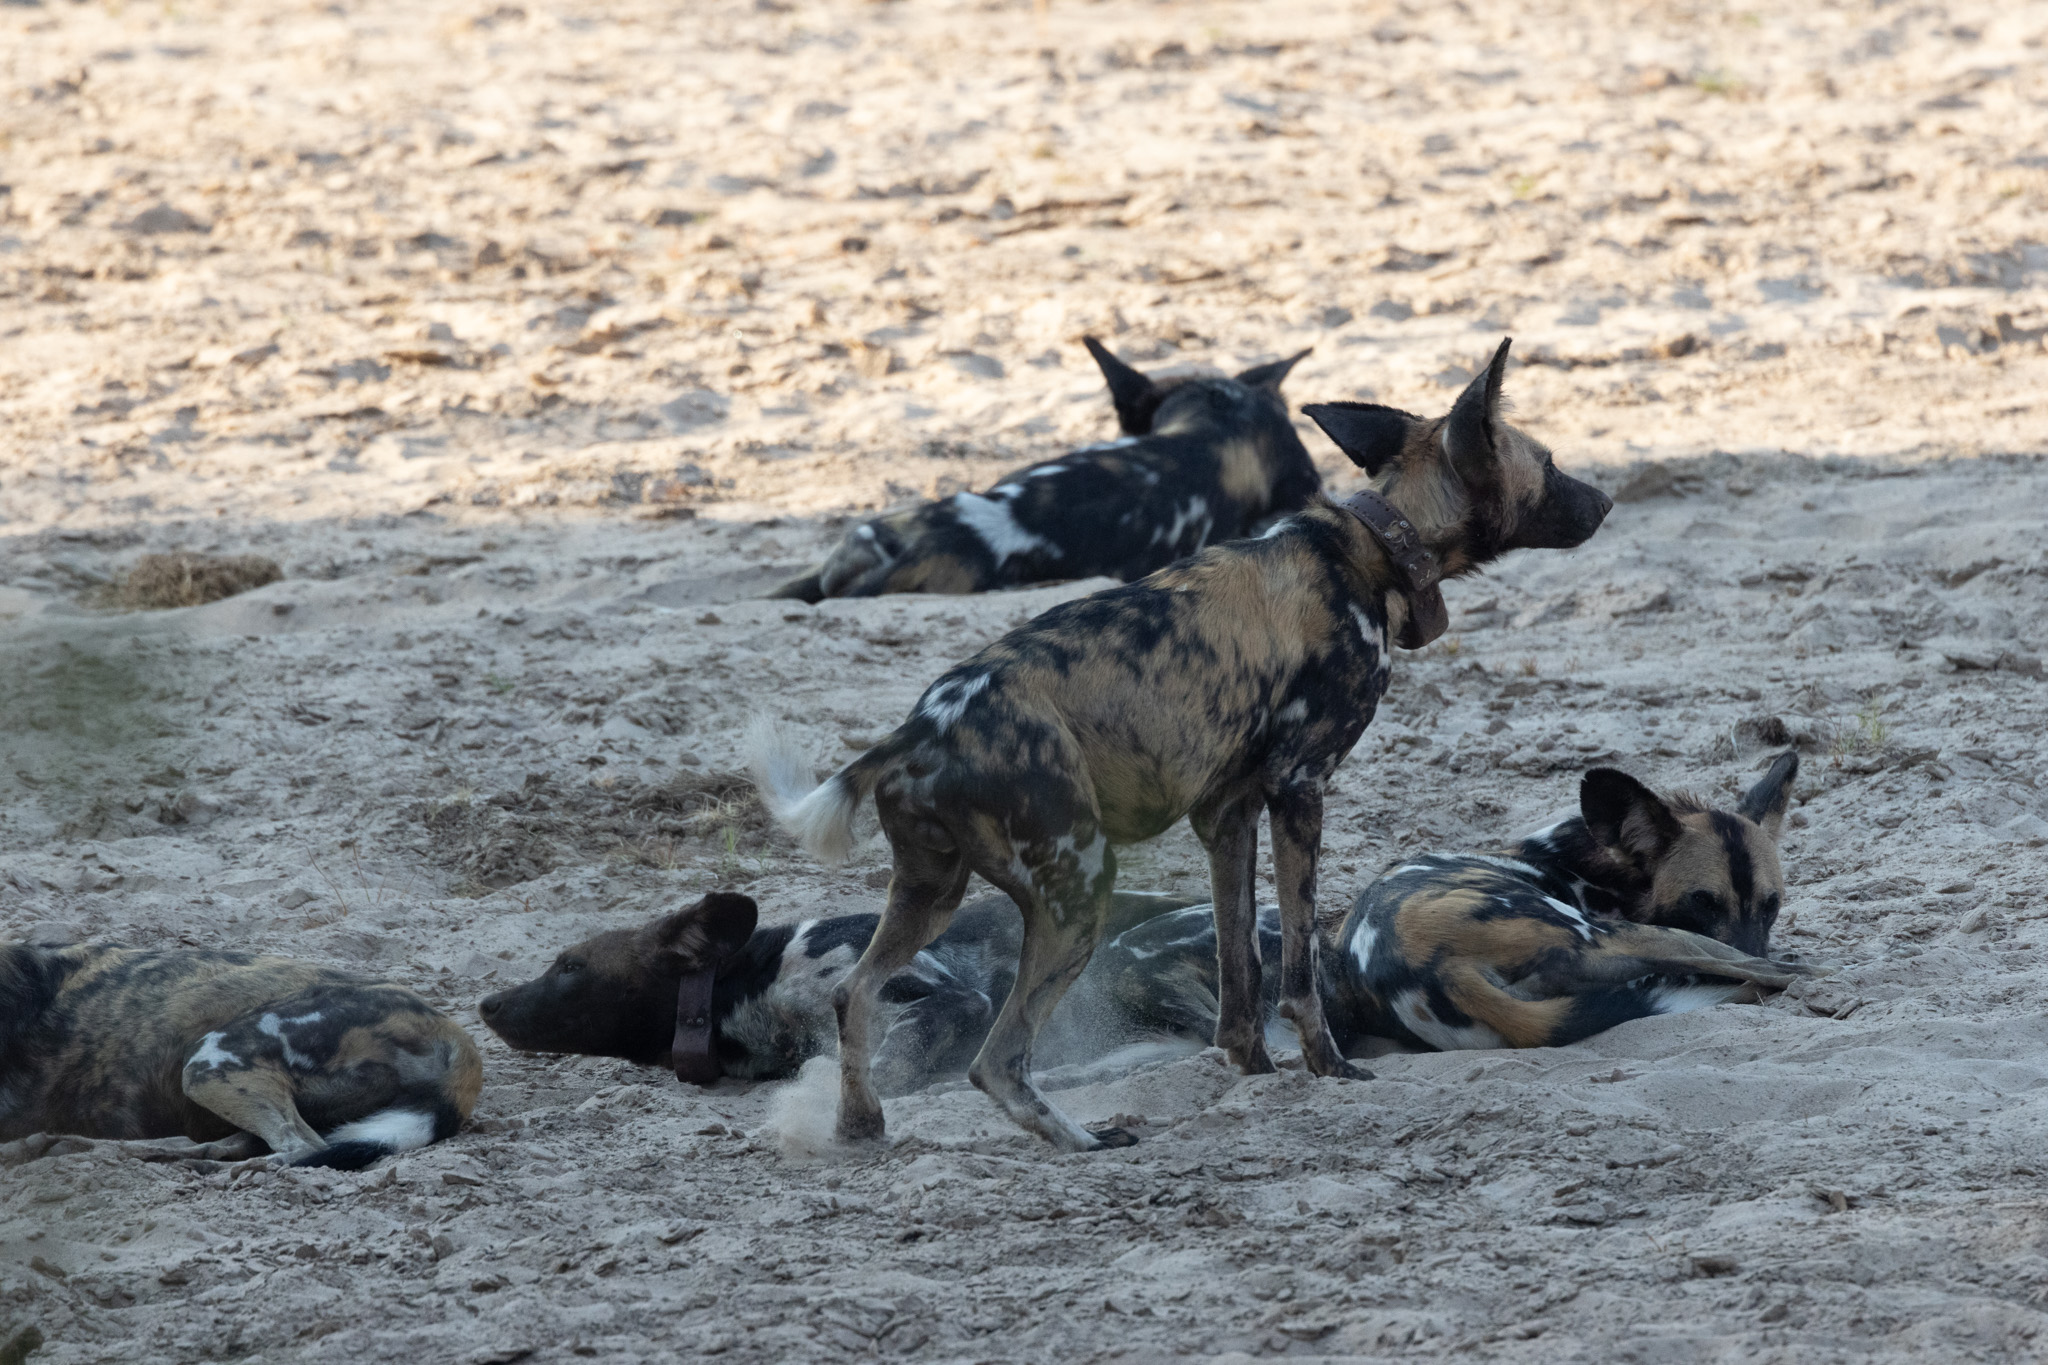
point(184, 579)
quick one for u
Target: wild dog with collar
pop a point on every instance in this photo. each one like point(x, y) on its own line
point(1237, 679)
point(770, 1005)
point(1637, 906)
point(325, 1068)
point(1203, 459)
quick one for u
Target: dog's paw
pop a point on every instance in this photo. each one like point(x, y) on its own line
point(860, 1127)
point(1253, 1061)
point(1106, 1138)
point(1351, 1071)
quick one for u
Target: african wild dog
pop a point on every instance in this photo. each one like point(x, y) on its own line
point(1562, 899)
point(1639, 905)
point(1238, 678)
point(770, 997)
point(1202, 460)
point(327, 1069)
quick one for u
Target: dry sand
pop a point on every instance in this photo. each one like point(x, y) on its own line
point(531, 340)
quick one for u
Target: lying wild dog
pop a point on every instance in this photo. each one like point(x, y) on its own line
point(1202, 460)
point(1567, 932)
point(1638, 905)
point(764, 996)
point(327, 1069)
point(1238, 678)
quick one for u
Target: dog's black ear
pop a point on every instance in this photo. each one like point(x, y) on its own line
point(1372, 434)
point(1271, 376)
point(1136, 397)
point(1469, 430)
point(1767, 801)
point(1622, 814)
point(709, 932)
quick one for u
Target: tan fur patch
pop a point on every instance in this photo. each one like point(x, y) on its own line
point(1242, 471)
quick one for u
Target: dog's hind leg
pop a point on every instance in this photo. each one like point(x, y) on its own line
point(1060, 933)
point(1063, 887)
point(924, 890)
point(1297, 811)
point(235, 1075)
point(1230, 832)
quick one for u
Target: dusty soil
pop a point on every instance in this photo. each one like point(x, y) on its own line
point(531, 340)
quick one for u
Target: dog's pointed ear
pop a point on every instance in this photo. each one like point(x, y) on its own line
point(1624, 815)
point(1469, 432)
point(1372, 434)
point(1271, 376)
point(1767, 801)
point(1136, 396)
point(709, 932)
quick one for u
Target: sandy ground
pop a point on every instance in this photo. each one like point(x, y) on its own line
point(532, 340)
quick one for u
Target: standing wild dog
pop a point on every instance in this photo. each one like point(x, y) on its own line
point(1639, 905)
point(325, 1068)
point(1203, 459)
point(1239, 678)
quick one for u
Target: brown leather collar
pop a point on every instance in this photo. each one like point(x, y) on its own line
point(691, 1053)
point(1414, 566)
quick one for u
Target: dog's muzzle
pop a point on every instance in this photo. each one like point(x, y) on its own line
point(1414, 566)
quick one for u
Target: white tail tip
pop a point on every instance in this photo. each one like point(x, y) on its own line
point(819, 816)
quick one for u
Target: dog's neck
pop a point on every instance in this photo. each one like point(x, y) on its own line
point(1374, 579)
point(1440, 508)
point(741, 977)
point(1578, 869)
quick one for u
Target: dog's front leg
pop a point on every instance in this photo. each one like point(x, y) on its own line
point(1231, 834)
point(1297, 812)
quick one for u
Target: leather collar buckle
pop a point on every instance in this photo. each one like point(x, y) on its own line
point(1415, 568)
point(691, 1053)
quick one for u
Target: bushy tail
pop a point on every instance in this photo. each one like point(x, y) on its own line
point(384, 1133)
point(820, 815)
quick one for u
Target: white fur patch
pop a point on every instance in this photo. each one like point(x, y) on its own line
point(1514, 865)
point(1571, 912)
point(1089, 855)
point(819, 815)
point(1196, 511)
point(1373, 635)
point(1362, 945)
point(866, 531)
point(395, 1130)
point(1408, 1007)
point(1685, 999)
point(996, 523)
point(274, 1027)
point(212, 1054)
point(947, 701)
point(1189, 926)
point(1294, 713)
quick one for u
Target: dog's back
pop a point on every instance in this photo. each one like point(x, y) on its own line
point(114, 1042)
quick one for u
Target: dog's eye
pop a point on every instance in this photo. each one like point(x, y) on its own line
point(1769, 908)
point(569, 964)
